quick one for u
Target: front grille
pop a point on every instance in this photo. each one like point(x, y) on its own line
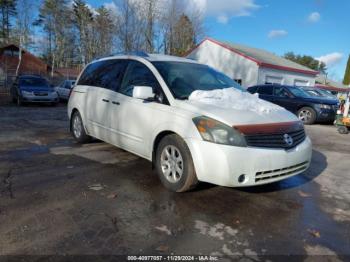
point(40, 93)
point(276, 140)
point(287, 171)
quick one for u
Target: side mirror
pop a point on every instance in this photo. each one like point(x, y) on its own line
point(143, 92)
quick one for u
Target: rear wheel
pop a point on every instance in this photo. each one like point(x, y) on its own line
point(174, 164)
point(307, 115)
point(343, 130)
point(78, 130)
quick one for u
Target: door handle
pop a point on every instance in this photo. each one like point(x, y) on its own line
point(115, 103)
point(105, 100)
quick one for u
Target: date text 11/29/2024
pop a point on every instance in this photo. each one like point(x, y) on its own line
point(173, 258)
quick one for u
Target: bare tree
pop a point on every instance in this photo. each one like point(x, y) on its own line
point(131, 27)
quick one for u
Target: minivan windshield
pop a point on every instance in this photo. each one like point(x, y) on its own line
point(298, 92)
point(183, 78)
point(33, 82)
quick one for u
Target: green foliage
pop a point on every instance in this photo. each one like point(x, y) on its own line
point(346, 80)
point(307, 61)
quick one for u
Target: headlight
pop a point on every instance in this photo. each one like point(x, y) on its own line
point(325, 106)
point(54, 93)
point(217, 132)
point(26, 93)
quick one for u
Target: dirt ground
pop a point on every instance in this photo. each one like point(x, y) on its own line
point(59, 197)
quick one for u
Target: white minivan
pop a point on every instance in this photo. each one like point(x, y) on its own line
point(193, 122)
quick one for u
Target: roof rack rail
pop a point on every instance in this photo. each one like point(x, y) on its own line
point(134, 53)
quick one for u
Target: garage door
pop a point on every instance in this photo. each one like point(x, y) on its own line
point(273, 80)
point(298, 82)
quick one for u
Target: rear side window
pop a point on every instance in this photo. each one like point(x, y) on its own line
point(106, 74)
point(138, 74)
point(265, 90)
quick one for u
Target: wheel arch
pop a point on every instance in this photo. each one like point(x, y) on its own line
point(156, 141)
point(71, 117)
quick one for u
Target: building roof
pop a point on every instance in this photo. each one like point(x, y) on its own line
point(323, 82)
point(29, 54)
point(262, 57)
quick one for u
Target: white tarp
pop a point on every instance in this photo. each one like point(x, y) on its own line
point(231, 98)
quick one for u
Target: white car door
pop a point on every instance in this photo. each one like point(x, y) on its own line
point(106, 77)
point(134, 119)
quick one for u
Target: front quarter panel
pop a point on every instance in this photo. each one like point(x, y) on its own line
point(180, 125)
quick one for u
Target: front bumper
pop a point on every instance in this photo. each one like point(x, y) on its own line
point(223, 165)
point(326, 115)
point(38, 99)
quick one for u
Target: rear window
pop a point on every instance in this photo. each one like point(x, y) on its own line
point(106, 74)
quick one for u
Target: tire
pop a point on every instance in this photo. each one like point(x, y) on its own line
point(307, 115)
point(78, 130)
point(181, 175)
point(343, 130)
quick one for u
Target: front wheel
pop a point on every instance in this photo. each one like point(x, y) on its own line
point(343, 130)
point(174, 164)
point(307, 115)
point(78, 130)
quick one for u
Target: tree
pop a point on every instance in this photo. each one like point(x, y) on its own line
point(307, 61)
point(184, 36)
point(54, 17)
point(346, 80)
point(23, 31)
point(7, 12)
point(131, 27)
point(83, 19)
point(104, 28)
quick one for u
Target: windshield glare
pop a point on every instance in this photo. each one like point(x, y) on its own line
point(183, 78)
point(33, 82)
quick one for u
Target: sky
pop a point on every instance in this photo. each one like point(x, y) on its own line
point(320, 28)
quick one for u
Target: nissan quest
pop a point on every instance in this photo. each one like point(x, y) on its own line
point(192, 122)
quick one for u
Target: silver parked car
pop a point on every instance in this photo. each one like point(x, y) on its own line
point(64, 89)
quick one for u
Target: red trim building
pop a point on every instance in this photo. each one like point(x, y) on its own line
point(251, 66)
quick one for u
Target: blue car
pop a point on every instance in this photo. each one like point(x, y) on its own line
point(308, 108)
point(33, 89)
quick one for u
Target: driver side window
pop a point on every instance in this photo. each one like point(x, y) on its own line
point(137, 74)
point(280, 92)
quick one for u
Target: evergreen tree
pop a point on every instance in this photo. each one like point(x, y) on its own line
point(7, 11)
point(184, 36)
point(83, 19)
point(346, 80)
point(307, 61)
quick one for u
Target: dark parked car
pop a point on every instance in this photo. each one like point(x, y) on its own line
point(30, 88)
point(313, 91)
point(308, 108)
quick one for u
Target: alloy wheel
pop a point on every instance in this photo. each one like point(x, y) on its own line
point(171, 162)
point(77, 126)
point(305, 115)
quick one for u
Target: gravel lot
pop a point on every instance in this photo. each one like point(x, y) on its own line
point(58, 197)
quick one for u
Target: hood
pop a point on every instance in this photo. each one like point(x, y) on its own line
point(36, 88)
point(234, 107)
point(320, 100)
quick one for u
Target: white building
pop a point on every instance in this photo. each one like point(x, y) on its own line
point(251, 66)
